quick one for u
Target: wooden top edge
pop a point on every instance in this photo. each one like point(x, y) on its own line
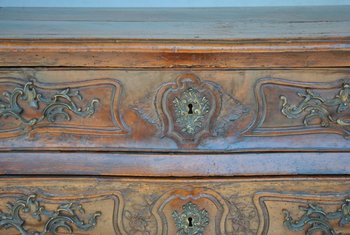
point(142, 53)
point(147, 179)
point(177, 40)
point(175, 45)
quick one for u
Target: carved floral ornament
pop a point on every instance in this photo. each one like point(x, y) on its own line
point(65, 217)
point(189, 110)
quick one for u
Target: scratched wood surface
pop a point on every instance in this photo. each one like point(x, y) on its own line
point(202, 23)
point(193, 114)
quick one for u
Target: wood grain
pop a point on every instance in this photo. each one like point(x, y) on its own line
point(176, 38)
point(170, 165)
point(235, 206)
point(60, 107)
point(274, 53)
point(202, 23)
point(148, 119)
point(198, 113)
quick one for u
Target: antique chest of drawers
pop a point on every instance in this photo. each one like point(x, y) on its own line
point(175, 121)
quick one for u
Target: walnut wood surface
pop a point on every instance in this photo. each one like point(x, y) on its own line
point(173, 165)
point(163, 23)
point(176, 38)
point(141, 53)
point(145, 206)
point(248, 115)
point(161, 95)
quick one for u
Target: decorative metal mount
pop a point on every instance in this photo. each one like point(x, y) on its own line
point(318, 107)
point(191, 221)
point(189, 109)
point(315, 219)
point(62, 218)
point(55, 106)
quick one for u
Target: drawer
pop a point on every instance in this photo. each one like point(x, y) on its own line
point(177, 206)
point(162, 110)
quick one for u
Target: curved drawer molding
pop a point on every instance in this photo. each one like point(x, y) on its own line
point(174, 110)
point(302, 214)
point(189, 110)
point(290, 107)
point(85, 107)
point(32, 214)
point(196, 211)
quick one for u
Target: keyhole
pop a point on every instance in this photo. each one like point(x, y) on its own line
point(190, 222)
point(190, 106)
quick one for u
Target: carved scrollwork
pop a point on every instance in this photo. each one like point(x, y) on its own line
point(318, 107)
point(287, 107)
point(63, 217)
point(192, 221)
point(55, 105)
point(189, 109)
point(29, 106)
point(198, 204)
point(316, 219)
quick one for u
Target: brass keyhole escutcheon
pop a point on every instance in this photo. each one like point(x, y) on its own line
point(190, 222)
point(190, 106)
point(191, 110)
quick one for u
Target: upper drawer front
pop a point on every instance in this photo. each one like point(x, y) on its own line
point(175, 109)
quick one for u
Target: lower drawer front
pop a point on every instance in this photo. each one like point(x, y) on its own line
point(174, 206)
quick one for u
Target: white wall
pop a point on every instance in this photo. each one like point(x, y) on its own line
point(166, 3)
